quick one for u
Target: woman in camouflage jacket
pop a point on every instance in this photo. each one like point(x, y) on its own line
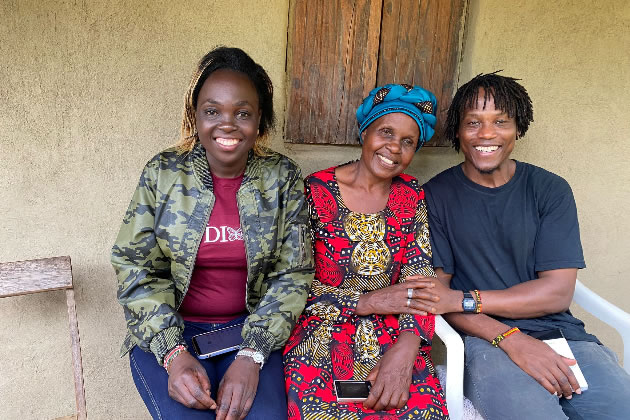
point(156, 252)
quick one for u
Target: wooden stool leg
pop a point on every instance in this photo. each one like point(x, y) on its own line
point(77, 365)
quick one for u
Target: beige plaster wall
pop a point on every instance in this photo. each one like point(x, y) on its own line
point(90, 91)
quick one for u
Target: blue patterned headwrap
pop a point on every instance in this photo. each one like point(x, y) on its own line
point(418, 103)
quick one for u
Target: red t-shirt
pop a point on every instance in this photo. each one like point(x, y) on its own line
point(217, 287)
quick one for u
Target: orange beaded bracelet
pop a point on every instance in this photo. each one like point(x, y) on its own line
point(478, 299)
point(500, 337)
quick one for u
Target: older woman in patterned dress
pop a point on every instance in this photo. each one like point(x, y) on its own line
point(366, 316)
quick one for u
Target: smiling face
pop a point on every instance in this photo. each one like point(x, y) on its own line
point(228, 115)
point(389, 144)
point(487, 138)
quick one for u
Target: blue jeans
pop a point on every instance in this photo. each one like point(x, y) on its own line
point(500, 390)
point(151, 381)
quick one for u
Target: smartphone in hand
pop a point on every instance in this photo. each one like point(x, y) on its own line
point(352, 391)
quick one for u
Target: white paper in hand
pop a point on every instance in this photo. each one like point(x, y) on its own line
point(561, 347)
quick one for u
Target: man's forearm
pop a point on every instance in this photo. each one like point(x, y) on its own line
point(477, 325)
point(551, 293)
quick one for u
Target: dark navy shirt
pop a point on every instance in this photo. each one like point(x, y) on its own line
point(495, 238)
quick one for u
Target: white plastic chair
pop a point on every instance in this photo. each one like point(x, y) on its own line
point(608, 313)
point(583, 296)
point(455, 367)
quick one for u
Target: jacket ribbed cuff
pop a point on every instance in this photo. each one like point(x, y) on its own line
point(164, 341)
point(259, 339)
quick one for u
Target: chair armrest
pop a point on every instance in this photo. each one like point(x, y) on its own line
point(607, 312)
point(454, 367)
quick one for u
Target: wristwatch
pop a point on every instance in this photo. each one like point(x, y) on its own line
point(256, 355)
point(469, 304)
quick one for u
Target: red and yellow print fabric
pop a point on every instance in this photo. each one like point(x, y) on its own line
point(356, 253)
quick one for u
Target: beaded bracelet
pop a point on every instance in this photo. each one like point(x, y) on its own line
point(500, 337)
point(478, 299)
point(171, 355)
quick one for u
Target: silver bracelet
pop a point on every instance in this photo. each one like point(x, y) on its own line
point(255, 355)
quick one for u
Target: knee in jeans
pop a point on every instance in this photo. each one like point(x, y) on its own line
point(143, 387)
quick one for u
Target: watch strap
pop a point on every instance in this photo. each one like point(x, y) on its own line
point(256, 356)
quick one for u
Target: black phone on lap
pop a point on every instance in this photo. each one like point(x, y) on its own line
point(219, 341)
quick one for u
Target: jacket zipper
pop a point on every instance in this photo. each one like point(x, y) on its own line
point(247, 251)
point(196, 250)
point(302, 244)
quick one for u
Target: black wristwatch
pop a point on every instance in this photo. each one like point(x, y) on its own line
point(469, 304)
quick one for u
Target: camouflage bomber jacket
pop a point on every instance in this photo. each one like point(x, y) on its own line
point(155, 251)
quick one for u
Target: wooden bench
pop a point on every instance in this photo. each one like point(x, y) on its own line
point(44, 275)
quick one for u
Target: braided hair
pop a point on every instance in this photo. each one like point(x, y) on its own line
point(509, 96)
point(232, 59)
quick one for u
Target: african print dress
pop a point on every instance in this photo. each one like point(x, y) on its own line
point(356, 253)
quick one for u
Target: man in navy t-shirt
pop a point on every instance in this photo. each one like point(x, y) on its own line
point(506, 234)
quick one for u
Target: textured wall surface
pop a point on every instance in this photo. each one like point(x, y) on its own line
point(90, 91)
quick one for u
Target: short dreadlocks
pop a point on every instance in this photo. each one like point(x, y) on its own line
point(509, 96)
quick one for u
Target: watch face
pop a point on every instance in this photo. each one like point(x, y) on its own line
point(469, 304)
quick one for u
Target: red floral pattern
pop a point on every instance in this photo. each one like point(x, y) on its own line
point(356, 253)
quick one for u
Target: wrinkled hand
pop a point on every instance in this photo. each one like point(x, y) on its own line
point(443, 299)
point(391, 377)
point(393, 299)
point(188, 383)
point(237, 389)
point(542, 363)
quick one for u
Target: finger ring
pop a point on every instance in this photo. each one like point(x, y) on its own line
point(409, 302)
point(409, 294)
